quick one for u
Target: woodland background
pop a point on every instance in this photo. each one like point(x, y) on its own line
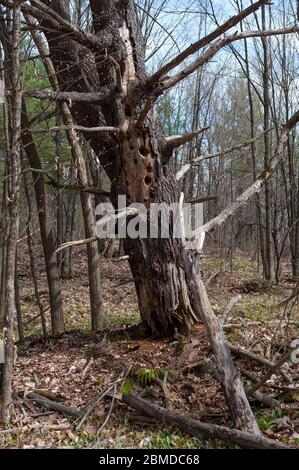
point(76, 310)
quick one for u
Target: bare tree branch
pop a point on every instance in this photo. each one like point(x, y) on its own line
point(167, 83)
point(175, 141)
point(64, 96)
point(50, 18)
point(259, 182)
point(203, 42)
point(115, 130)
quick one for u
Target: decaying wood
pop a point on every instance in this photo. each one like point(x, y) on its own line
point(229, 308)
point(254, 357)
point(276, 367)
point(53, 405)
point(84, 241)
point(227, 373)
point(266, 400)
point(199, 429)
point(175, 141)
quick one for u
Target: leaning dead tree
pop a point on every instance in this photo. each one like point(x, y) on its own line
point(101, 76)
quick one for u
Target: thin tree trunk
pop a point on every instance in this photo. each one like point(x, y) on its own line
point(3, 247)
point(46, 230)
point(96, 305)
point(260, 230)
point(59, 197)
point(13, 141)
point(18, 303)
point(266, 98)
point(67, 258)
point(33, 266)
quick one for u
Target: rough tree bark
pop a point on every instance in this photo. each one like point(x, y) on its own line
point(134, 160)
point(11, 45)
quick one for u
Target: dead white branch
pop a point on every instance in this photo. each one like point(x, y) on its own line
point(257, 185)
point(175, 141)
point(84, 241)
point(115, 130)
point(229, 308)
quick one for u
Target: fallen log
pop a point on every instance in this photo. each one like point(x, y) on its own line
point(53, 405)
point(199, 429)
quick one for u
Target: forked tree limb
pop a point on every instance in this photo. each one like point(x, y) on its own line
point(80, 189)
point(276, 367)
point(199, 429)
point(229, 308)
point(169, 82)
point(72, 187)
point(259, 359)
point(233, 21)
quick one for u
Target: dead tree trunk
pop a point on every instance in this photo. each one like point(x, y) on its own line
point(111, 62)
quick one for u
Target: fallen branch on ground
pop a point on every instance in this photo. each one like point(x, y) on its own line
point(201, 430)
point(256, 358)
point(230, 381)
point(276, 367)
point(53, 405)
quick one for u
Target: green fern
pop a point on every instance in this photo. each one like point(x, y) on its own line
point(146, 376)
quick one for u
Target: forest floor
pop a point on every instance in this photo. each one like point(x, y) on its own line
point(74, 369)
